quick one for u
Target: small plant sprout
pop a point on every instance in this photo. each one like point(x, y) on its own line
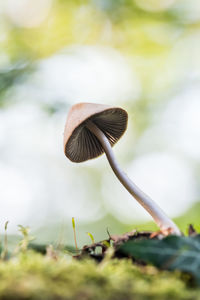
point(26, 237)
point(92, 129)
point(91, 236)
point(5, 250)
point(74, 230)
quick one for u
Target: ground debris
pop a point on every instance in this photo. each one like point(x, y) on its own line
point(98, 250)
point(192, 231)
point(119, 239)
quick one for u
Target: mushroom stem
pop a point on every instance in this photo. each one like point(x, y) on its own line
point(161, 219)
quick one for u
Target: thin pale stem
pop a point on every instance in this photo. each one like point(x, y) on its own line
point(161, 219)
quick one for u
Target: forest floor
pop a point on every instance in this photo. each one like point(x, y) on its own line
point(31, 275)
point(40, 272)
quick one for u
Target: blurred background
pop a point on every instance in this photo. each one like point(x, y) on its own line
point(137, 54)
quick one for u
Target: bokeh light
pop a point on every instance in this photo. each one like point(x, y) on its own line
point(140, 55)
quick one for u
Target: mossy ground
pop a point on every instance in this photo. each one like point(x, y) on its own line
point(31, 275)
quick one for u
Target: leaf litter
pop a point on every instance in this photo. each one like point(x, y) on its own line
point(160, 249)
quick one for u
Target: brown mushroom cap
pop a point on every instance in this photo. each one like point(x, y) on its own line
point(80, 144)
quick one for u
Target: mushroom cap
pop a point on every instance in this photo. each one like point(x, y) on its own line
point(80, 144)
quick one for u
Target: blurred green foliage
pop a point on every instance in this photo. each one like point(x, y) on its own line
point(145, 34)
point(11, 76)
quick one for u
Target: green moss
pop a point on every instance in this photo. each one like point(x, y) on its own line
point(33, 276)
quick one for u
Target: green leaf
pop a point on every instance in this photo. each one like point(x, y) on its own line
point(171, 253)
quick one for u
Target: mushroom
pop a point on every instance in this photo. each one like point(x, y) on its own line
point(92, 129)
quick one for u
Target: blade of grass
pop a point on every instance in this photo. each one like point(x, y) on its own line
point(74, 230)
